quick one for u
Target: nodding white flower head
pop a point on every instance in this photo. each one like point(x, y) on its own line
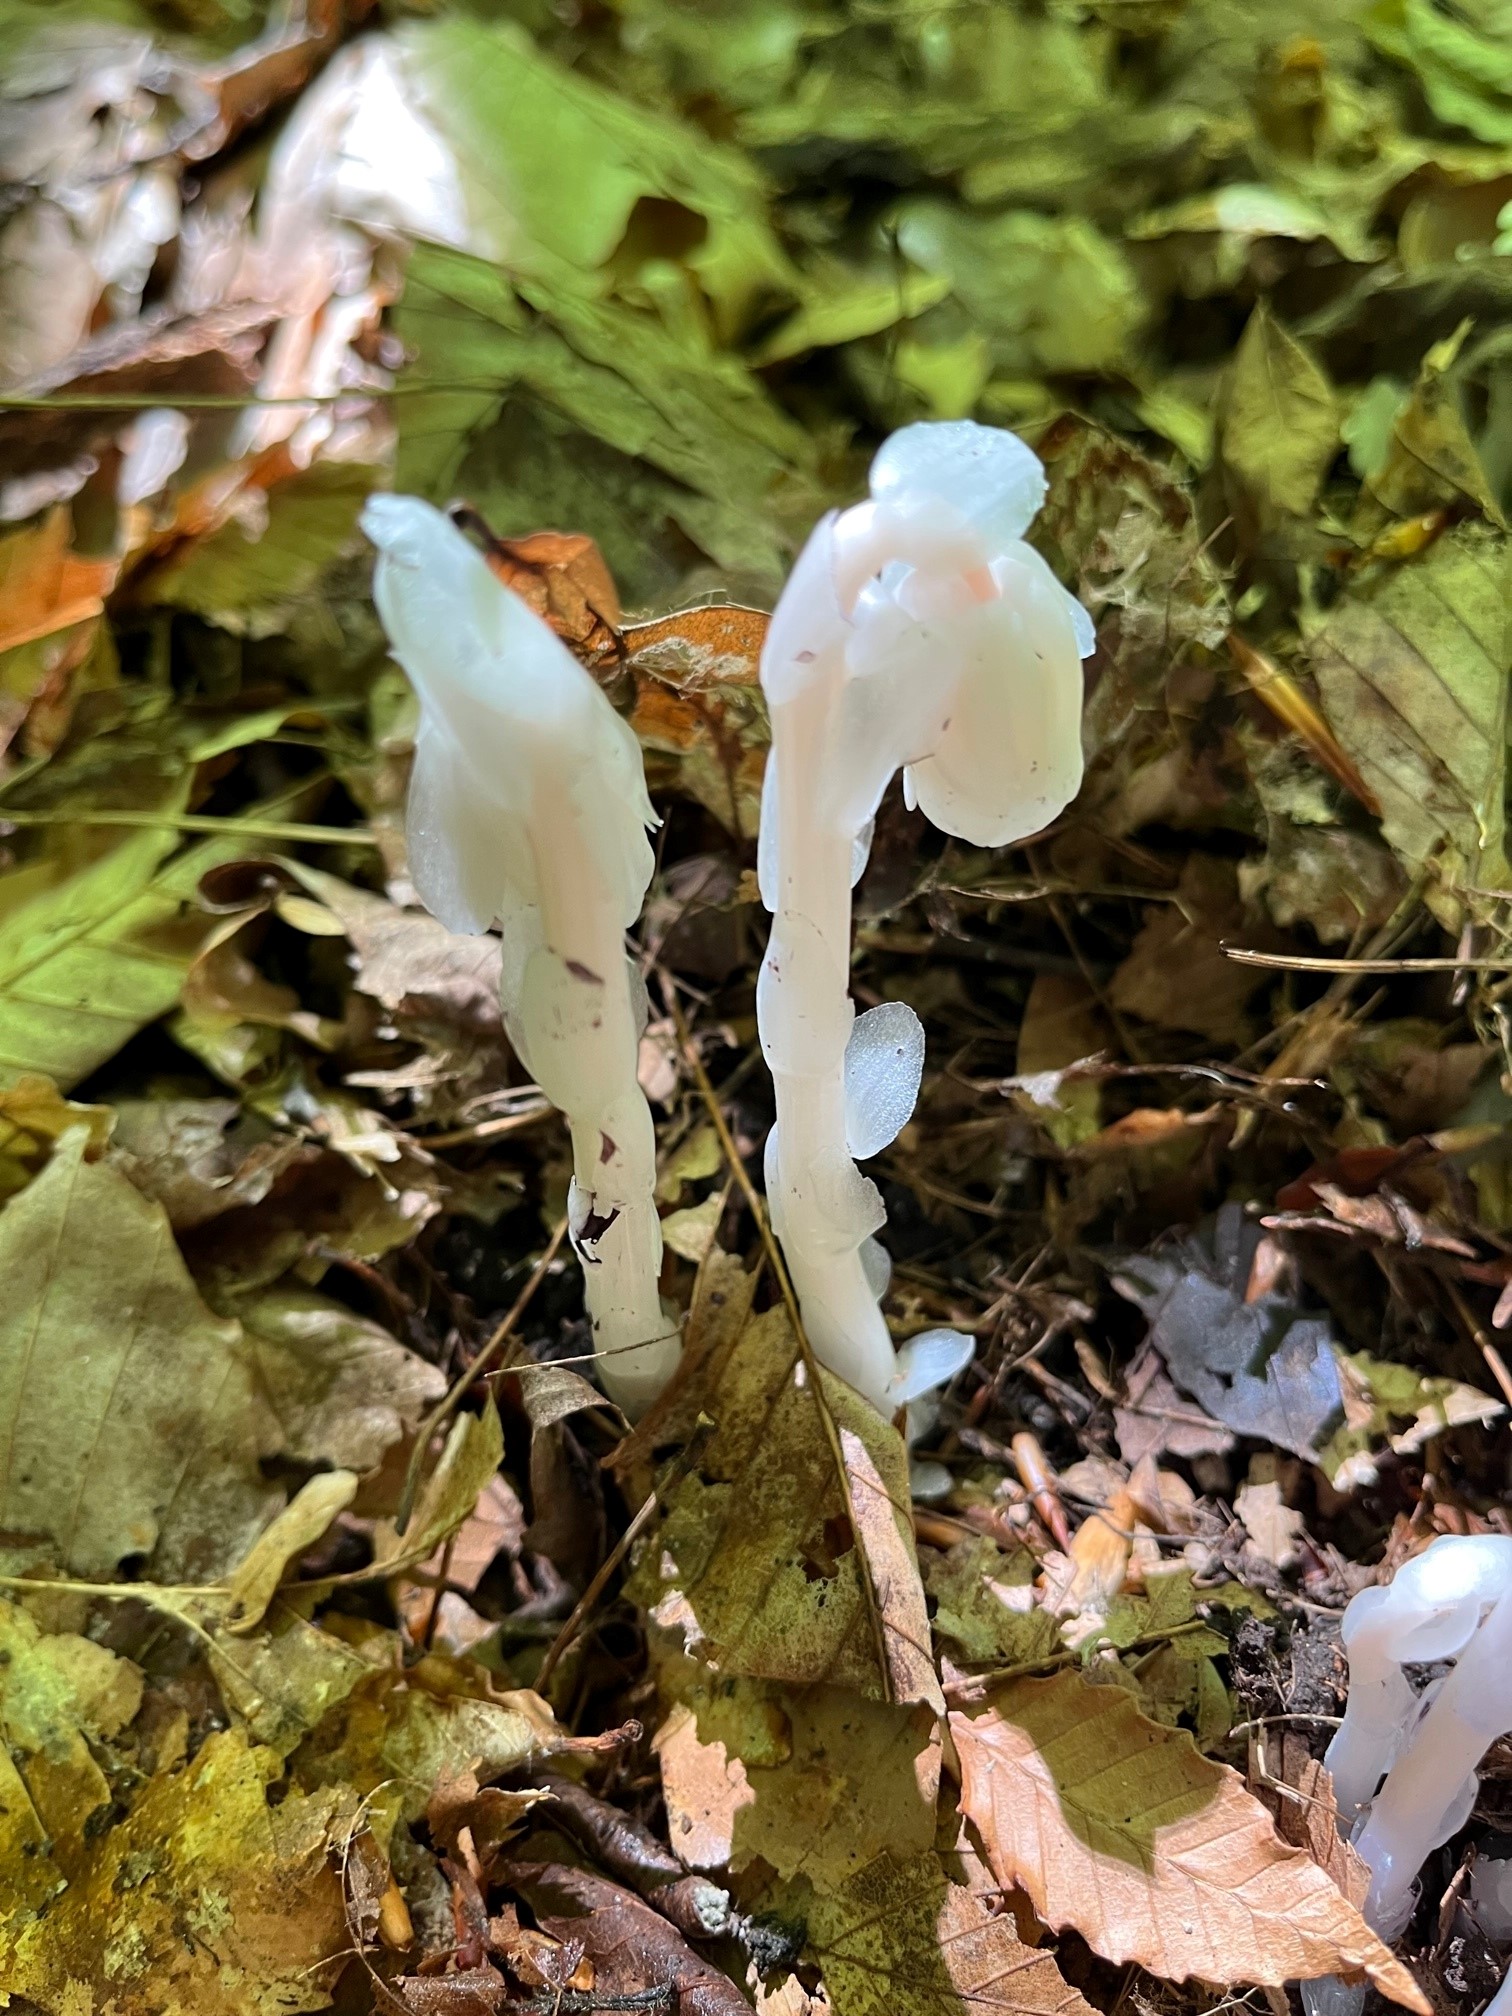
point(508, 716)
point(917, 632)
point(528, 807)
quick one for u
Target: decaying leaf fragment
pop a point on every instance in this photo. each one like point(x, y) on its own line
point(757, 1555)
point(1121, 1828)
point(204, 1901)
point(901, 1940)
point(1258, 1366)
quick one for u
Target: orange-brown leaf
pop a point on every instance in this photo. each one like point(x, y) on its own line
point(1121, 1828)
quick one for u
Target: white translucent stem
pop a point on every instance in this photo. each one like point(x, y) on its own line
point(821, 1205)
point(1423, 1799)
point(615, 1228)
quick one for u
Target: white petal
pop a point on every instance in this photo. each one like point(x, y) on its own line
point(876, 1265)
point(452, 862)
point(1008, 759)
point(931, 1359)
point(987, 473)
point(884, 1062)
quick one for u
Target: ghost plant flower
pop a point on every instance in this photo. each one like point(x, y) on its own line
point(917, 632)
point(1404, 1762)
point(528, 808)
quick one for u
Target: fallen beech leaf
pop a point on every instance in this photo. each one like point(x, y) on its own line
point(899, 1940)
point(632, 1947)
point(1313, 1825)
point(33, 1114)
point(302, 1522)
point(131, 1423)
point(1120, 1828)
point(197, 1157)
point(1412, 669)
point(757, 1556)
point(44, 586)
point(60, 1696)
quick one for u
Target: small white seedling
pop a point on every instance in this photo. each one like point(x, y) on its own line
point(917, 633)
point(1404, 1763)
point(528, 809)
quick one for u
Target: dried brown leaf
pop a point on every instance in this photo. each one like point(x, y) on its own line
point(1120, 1828)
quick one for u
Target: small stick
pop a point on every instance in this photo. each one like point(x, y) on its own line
point(442, 1412)
point(585, 1603)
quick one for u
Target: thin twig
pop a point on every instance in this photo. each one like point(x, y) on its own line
point(442, 1412)
point(196, 822)
point(1299, 962)
point(757, 1210)
point(585, 1603)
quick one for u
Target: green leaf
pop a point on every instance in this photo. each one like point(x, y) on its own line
point(686, 414)
point(1280, 422)
point(240, 580)
point(1465, 70)
point(984, 1605)
point(86, 964)
point(1412, 670)
point(1052, 294)
point(129, 1421)
point(554, 168)
point(1429, 461)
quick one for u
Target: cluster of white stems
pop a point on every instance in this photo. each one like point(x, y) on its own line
point(1405, 1760)
point(917, 633)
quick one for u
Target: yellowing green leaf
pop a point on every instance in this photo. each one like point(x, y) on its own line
point(129, 1423)
point(397, 1734)
point(1280, 422)
point(756, 1558)
point(58, 1694)
point(1052, 294)
point(204, 1901)
point(1412, 669)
